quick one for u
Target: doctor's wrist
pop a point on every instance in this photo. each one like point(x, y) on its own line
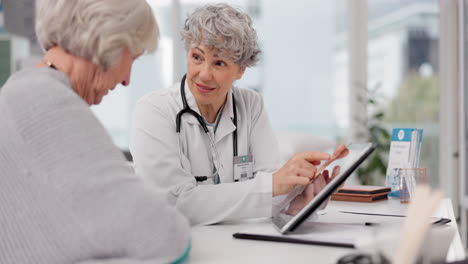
point(279, 186)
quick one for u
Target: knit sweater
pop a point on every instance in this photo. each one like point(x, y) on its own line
point(67, 194)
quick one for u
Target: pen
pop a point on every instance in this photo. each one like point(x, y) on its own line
point(359, 213)
point(438, 221)
point(365, 223)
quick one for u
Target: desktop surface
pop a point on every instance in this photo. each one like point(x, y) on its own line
point(215, 244)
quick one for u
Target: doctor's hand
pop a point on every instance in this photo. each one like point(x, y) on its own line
point(299, 170)
point(311, 191)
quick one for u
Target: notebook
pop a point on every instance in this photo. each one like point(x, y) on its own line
point(361, 193)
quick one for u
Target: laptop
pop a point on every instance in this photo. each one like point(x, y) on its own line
point(285, 223)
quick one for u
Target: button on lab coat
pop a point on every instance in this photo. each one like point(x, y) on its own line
point(154, 146)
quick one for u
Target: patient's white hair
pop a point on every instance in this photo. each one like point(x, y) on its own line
point(224, 27)
point(97, 30)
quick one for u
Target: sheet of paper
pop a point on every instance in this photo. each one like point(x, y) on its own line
point(333, 227)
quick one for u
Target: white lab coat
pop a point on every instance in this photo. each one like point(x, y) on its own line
point(154, 146)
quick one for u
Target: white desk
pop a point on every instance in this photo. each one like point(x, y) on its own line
point(215, 244)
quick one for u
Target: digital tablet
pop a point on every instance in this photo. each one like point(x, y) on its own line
point(357, 154)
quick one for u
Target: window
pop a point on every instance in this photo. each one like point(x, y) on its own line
point(5, 51)
point(403, 66)
point(295, 74)
point(5, 54)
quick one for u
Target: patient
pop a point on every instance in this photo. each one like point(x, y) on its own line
point(67, 193)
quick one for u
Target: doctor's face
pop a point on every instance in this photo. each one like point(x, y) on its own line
point(210, 77)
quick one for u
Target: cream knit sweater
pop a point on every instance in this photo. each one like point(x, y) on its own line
point(67, 195)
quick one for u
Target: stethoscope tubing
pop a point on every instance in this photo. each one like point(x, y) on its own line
point(188, 110)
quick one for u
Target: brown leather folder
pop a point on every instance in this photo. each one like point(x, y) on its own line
point(363, 189)
point(366, 198)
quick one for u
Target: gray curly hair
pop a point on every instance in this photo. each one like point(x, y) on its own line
point(97, 30)
point(226, 28)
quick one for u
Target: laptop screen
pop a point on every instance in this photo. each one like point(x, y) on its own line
point(286, 218)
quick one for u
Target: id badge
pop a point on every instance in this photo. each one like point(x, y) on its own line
point(243, 168)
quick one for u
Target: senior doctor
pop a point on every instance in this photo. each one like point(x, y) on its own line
point(210, 144)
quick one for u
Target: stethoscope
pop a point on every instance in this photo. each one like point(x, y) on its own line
point(202, 123)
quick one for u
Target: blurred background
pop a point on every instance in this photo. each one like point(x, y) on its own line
point(344, 70)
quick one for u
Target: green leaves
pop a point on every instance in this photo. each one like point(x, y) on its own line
point(376, 164)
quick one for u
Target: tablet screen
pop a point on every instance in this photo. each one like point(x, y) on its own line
point(292, 209)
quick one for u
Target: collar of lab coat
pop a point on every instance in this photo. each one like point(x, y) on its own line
point(225, 126)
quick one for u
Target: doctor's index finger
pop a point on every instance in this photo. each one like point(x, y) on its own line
point(312, 156)
point(340, 152)
point(315, 162)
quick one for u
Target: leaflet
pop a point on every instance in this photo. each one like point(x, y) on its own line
point(404, 153)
